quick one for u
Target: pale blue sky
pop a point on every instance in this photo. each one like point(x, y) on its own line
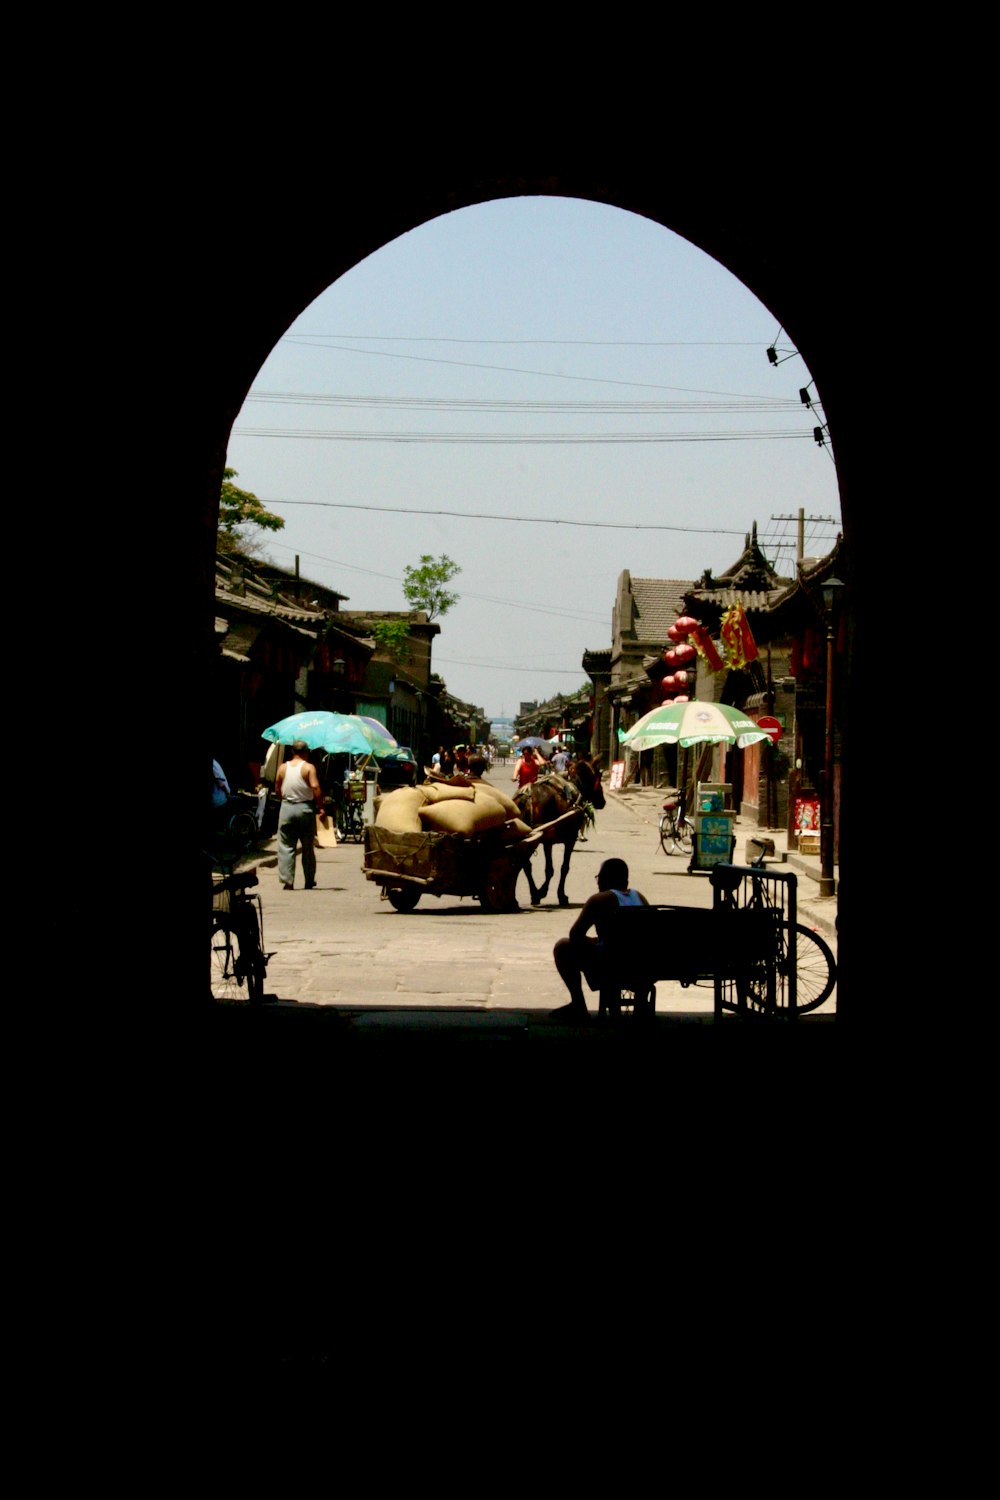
point(529, 301)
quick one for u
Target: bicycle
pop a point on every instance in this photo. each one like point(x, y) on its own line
point(350, 812)
point(791, 966)
point(676, 830)
point(240, 822)
point(239, 962)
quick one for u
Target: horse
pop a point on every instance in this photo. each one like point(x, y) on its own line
point(550, 797)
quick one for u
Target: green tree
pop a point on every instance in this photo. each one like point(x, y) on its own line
point(238, 510)
point(392, 637)
point(425, 586)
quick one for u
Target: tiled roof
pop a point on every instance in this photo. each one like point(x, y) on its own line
point(658, 602)
point(749, 598)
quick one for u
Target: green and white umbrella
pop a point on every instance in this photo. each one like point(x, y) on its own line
point(692, 724)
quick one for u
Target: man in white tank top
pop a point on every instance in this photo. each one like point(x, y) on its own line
point(301, 799)
point(578, 956)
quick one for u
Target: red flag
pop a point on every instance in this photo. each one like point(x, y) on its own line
point(737, 638)
point(705, 647)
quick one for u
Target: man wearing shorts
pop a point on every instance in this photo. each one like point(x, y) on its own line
point(579, 956)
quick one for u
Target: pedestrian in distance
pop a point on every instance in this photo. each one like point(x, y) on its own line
point(527, 766)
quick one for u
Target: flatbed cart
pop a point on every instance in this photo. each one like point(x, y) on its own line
point(410, 865)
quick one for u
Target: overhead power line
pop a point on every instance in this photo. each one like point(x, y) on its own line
point(466, 515)
point(318, 435)
point(724, 405)
point(415, 338)
point(484, 666)
point(319, 342)
point(552, 610)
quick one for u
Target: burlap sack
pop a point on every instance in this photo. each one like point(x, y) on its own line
point(508, 804)
point(457, 815)
point(397, 811)
point(440, 791)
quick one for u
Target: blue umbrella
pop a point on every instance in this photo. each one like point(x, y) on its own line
point(404, 756)
point(535, 742)
point(337, 734)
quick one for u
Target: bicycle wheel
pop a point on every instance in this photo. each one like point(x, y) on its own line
point(238, 964)
point(243, 829)
point(226, 987)
point(667, 833)
point(684, 836)
point(815, 969)
point(764, 987)
point(253, 960)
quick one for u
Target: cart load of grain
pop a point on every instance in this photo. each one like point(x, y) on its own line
point(397, 812)
point(467, 815)
point(450, 807)
point(438, 791)
point(507, 803)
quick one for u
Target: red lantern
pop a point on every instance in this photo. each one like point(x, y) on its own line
point(684, 653)
point(684, 627)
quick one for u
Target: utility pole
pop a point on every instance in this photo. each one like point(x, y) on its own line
point(800, 518)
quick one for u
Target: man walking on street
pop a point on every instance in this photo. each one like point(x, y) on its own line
point(301, 799)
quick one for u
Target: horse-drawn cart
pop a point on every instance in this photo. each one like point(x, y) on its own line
point(410, 865)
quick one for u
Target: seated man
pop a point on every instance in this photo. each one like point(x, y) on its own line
point(580, 957)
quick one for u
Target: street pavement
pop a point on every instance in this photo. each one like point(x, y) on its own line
point(450, 963)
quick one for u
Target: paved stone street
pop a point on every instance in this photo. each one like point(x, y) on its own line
point(341, 945)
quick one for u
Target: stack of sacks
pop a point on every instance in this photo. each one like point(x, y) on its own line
point(437, 807)
point(514, 827)
point(459, 809)
point(397, 811)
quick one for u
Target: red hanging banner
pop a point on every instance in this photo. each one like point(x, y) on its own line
point(737, 638)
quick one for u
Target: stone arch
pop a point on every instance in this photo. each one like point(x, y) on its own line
point(250, 299)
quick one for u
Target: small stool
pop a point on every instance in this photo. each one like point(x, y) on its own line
point(618, 1000)
point(757, 847)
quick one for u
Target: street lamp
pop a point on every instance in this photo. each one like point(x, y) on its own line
point(831, 602)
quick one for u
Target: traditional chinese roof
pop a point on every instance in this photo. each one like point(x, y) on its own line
point(246, 603)
point(751, 582)
point(597, 663)
point(751, 573)
point(656, 603)
point(241, 582)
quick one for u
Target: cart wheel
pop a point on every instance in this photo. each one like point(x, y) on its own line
point(404, 897)
point(498, 889)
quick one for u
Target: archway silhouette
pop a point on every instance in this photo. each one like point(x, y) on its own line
point(249, 300)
